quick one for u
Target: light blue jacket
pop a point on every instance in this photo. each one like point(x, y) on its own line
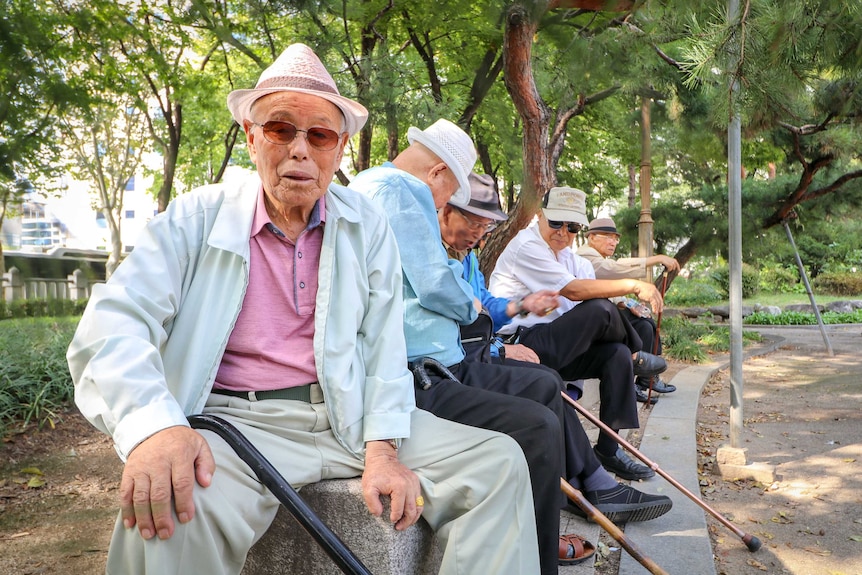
point(436, 299)
point(149, 344)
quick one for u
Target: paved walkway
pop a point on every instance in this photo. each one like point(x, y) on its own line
point(678, 541)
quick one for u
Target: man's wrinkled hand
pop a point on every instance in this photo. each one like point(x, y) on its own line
point(385, 475)
point(648, 293)
point(161, 469)
point(520, 352)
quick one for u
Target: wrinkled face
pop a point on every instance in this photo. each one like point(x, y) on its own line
point(296, 173)
point(556, 239)
point(461, 229)
point(605, 244)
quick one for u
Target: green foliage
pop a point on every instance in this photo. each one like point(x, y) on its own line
point(777, 278)
point(838, 283)
point(802, 318)
point(750, 280)
point(41, 308)
point(692, 292)
point(691, 342)
point(34, 377)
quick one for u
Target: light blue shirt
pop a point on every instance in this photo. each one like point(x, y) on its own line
point(436, 299)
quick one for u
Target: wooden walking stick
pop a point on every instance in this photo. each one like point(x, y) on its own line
point(752, 542)
point(655, 342)
point(602, 521)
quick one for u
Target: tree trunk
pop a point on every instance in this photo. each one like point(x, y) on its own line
point(539, 176)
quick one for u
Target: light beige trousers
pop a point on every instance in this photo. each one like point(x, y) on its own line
point(475, 483)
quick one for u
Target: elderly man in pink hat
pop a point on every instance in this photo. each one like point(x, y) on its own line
point(602, 241)
point(276, 304)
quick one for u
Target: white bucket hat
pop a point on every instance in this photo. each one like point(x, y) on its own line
point(297, 69)
point(452, 145)
point(565, 205)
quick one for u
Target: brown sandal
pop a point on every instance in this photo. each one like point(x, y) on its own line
point(581, 549)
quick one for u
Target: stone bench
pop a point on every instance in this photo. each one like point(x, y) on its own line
point(287, 548)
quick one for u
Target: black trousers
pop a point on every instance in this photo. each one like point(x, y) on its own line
point(593, 340)
point(525, 404)
point(646, 329)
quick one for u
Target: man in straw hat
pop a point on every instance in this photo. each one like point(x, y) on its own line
point(196, 320)
point(602, 241)
point(461, 228)
point(522, 402)
point(586, 336)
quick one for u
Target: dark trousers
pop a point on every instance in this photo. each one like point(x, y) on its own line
point(646, 329)
point(579, 461)
point(593, 340)
point(524, 404)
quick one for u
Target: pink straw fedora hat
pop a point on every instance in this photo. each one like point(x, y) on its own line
point(298, 69)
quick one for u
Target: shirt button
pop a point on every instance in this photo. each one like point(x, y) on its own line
point(299, 255)
point(302, 285)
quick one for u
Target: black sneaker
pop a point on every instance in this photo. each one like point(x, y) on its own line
point(658, 386)
point(623, 503)
point(623, 465)
point(642, 397)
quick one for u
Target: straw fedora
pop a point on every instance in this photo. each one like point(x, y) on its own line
point(565, 205)
point(452, 145)
point(297, 69)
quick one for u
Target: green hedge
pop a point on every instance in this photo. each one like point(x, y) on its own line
point(841, 283)
point(750, 280)
point(41, 308)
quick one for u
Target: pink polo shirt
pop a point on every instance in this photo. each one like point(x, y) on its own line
point(271, 345)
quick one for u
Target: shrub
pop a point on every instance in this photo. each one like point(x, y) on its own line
point(802, 318)
point(34, 376)
point(689, 292)
point(750, 280)
point(776, 278)
point(41, 308)
point(840, 283)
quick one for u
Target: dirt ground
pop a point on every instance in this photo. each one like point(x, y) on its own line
point(801, 414)
point(58, 487)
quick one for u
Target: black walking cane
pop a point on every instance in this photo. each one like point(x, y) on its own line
point(287, 495)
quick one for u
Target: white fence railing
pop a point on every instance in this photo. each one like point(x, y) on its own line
point(75, 286)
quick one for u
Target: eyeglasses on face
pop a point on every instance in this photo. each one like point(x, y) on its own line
point(476, 226)
point(608, 237)
point(283, 133)
point(572, 227)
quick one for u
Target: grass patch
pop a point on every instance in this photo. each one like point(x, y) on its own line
point(684, 340)
point(34, 378)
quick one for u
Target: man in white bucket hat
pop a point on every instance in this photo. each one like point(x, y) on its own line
point(196, 319)
point(522, 402)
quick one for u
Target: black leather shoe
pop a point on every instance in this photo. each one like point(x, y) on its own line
point(647, 364)
point(623, 503)
point(641, 396)
point(658, 385)
point(623, 465)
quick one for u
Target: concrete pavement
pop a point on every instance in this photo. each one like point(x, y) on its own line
point(678, 541)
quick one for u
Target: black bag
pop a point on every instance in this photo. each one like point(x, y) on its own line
point(477, 339)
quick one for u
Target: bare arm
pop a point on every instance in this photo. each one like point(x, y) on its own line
point(578, 290)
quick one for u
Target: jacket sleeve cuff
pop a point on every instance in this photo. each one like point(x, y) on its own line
point(137, 426)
